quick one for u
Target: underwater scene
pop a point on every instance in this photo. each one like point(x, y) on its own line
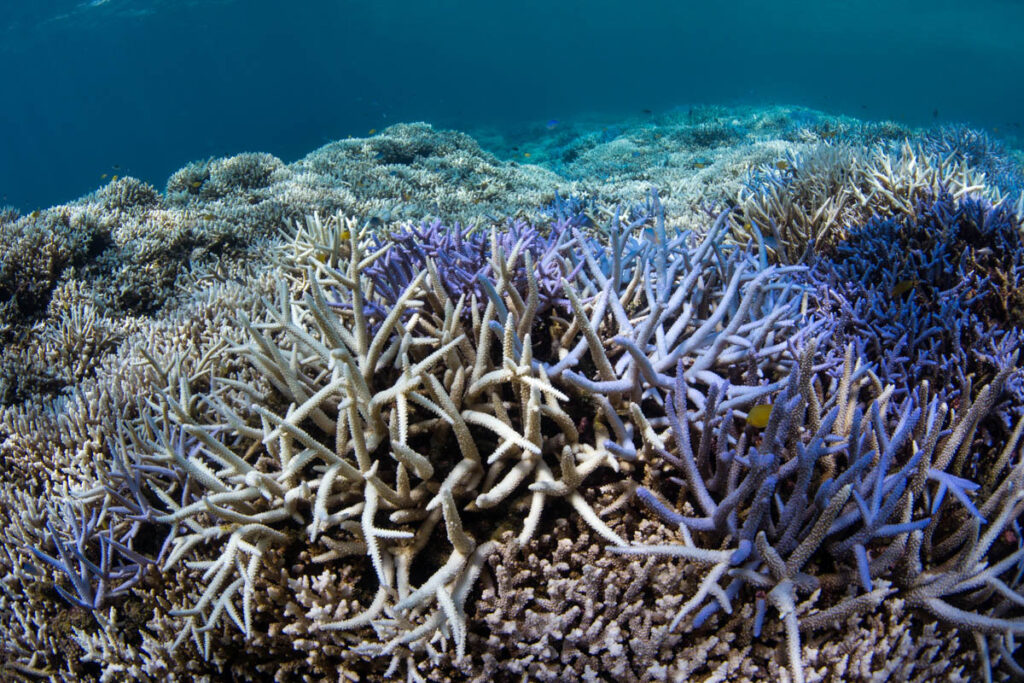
point(543, 341)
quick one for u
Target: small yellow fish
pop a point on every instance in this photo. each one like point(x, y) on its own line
point(34, 214)
point(651, 235)
point(758, 415)
point(208, 216)
point(782, 164)
point(903, 286)
point(372, 131)
point(748, 227)
point(196, 183)
point(345, 234)
point(114, 179)
point(700, 164)
point(103, 176)
point(526, 154)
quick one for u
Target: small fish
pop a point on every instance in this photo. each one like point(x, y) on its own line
point(103, 176)
point(903, 286)
point(552, 124)
point(526, 154)
point(116, 167)
point(372, 131)
point(34, 214)
point(583, 425)
point(935, 113)
point(208, 216)
point(758, 415)
point(648, 112)
point(782, 164)
point(345, 234)
point(114, 179)
point(700, 164)
point(196, 183)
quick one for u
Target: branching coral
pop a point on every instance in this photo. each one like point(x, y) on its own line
point(313, 482)
point(376, 400)
point(861, 494)
point(463, 259)
point(809, 202)
point(381, 414)
point(933, 297)
point(983, 152)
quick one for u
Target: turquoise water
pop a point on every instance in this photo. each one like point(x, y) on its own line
point(141, 87)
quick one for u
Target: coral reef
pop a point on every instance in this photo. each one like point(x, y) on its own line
point(401, 409)
point(807, 201)
point(933, 296)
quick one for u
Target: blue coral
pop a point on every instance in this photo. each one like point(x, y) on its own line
point(926, 297)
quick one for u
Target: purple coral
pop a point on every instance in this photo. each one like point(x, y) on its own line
point(463, 260)
point(927, 297)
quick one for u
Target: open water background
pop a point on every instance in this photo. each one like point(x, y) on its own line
point(141, 87)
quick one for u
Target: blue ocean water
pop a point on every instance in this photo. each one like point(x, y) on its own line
point(141, 87)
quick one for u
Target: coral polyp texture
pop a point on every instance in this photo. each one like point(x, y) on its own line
point(403, 410)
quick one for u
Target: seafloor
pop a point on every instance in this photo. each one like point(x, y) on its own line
point(712, 395)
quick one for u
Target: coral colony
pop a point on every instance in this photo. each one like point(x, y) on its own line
point(301, 434)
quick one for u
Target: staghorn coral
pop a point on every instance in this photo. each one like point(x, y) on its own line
point(809, 201)
point(188, 180)
point(562, 608)
point(240, 173)
point(801, 201)
point(982, 152)
point(859, 492)
point(415, 412)
point(94, 446)
point(62, 460)
point(379, 383)
point(463, 262)
point(128, 194)
point(35, 250)
point(933, 297)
